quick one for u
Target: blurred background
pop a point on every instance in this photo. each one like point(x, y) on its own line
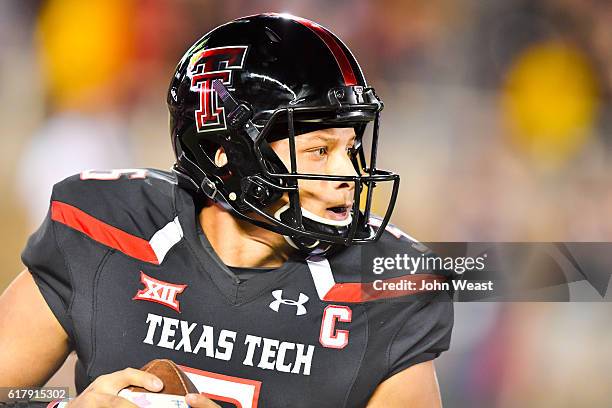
point(498, 118)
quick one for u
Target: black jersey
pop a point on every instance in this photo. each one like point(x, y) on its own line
point(126, 269)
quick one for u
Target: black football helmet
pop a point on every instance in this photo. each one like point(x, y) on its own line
point(261, 78)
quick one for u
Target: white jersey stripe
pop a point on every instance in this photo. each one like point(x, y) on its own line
point(322, 275)
point(164, 239)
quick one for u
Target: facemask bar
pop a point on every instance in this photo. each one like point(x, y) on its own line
point(282, 228)
point(373, 154)
point(288, 182)
point(294, 195)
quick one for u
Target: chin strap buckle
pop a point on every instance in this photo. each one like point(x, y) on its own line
point(209, 188)
point(240, 114)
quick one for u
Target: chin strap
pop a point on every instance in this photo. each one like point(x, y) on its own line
point(313, 246)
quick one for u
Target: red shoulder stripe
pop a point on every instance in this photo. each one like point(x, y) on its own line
point(357, 292)
point(102, 232)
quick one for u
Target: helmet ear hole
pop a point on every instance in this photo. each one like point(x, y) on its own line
point(214, 152)
point(220, 157)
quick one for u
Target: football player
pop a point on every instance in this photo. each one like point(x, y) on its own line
point(249, 265)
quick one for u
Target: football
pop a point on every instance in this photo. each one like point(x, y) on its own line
point(175, 380)
point(176, 386)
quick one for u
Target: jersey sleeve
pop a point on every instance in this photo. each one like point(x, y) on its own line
point(44, 259)
point(423, 336)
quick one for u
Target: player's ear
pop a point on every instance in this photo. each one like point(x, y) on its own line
point(220, 157)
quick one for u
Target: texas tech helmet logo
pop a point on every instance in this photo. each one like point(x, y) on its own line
point(206, 66)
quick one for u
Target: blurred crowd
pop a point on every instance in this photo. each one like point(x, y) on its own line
point(497, 116)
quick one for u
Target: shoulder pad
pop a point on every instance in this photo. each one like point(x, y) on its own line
point(394, 239)
point(107, 205)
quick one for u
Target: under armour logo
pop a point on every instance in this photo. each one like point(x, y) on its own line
point(278, 295)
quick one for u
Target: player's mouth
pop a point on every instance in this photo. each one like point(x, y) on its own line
point(339, 213)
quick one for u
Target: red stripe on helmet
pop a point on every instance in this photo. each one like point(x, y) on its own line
point(329, 39)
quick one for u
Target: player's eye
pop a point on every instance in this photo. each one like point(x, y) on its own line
point(319, 152)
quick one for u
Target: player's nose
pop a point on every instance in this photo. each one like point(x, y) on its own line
point(343, 166)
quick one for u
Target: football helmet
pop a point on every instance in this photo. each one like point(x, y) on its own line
point(262, 78)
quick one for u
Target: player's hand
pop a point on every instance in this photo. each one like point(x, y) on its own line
point(103, 391)
point(200, 401)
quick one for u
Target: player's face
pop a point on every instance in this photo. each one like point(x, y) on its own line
point(328, 152)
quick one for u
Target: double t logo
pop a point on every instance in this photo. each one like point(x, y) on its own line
point(204, 67)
